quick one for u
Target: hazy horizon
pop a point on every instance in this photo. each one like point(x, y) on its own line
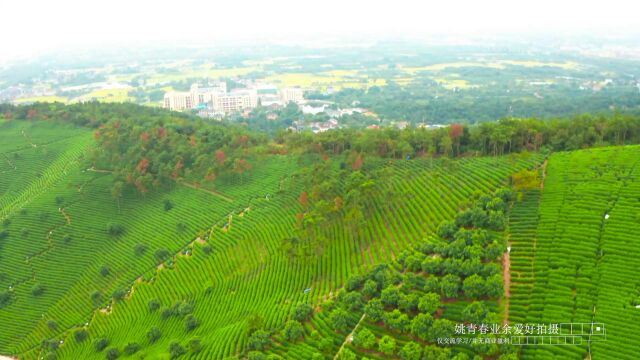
point(70, 24)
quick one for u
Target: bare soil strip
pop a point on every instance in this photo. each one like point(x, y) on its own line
point(212, 192)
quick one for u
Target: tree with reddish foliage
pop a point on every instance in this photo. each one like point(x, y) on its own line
point(143, 183)
point(192, 140)
point(455, 133)
point(31, 114)
point(211, 175)
point(97, 134)
point(304, 199)
point(357, 162)
point(162, 132)
point(177, 169)
point(145, 137)
point(241, 166)
point(220, 157)
point(142, 166)
point(243, 140)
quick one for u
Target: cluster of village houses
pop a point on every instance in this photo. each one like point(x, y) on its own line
point(216, 101)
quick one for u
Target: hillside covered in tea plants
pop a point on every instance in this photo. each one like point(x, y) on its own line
point(129, 232)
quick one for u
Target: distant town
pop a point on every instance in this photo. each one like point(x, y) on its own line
point(304, 90)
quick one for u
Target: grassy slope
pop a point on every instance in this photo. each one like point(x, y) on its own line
point(245, 273)
point(575, 261)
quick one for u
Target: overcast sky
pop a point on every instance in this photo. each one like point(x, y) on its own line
point(32, 26)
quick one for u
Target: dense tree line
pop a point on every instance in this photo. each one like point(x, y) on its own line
point(488, 138)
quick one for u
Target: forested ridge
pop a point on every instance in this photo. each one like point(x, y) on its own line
point(150, 148)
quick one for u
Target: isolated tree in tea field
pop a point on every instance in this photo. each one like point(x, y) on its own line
point(390, 296)
point(475, 312)
point(154, 334)
point(525, 179)
point(115, 229)
point(429, 302)
point(374, 309)
point(303, 312)
point(353, 300)
point(80, 335)
point(195, 345)
point(434, 352)
point(258, 340)
point(364, 338)
point(100, 344)
point(397, 320)
point(292, 331)
point(474, 286)
point(340, 320)
point(370, 288)
point(112, 353)
point(421, 324)
point(176, 350)
point(131, 348)
point(450, 285)
point(347, 354)
point(441, 328)
point(387, 345)
point(37, 290)
point(190, 323)
point(494, 286)
point(410, 351)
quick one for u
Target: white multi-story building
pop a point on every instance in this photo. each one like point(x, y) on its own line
point(236, 100)
point(176, 100)
point(183, 100)
point(294, 94)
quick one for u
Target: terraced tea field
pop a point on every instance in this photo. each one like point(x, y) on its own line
point(219, 252)
point(575, 254)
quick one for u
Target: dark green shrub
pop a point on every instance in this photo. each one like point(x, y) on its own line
point(115, 229)
point(154, 334)
point(37, 290)
point(131, 348)
point(100, 344)
point(80, 335)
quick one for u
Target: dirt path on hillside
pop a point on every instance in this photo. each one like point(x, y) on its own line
point(10, 162)
point(349, 337)
point(212, 192)
point(506, 277)
point(28, 139)
point(66, 216)
point(544, 173)
point(92, 169)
